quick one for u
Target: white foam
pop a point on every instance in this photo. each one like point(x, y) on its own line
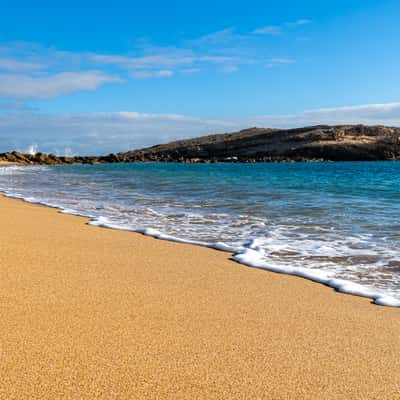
point(254, 258)
point(15, 169)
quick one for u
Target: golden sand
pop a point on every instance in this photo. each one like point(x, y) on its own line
point(7, 163)
point(92, 313)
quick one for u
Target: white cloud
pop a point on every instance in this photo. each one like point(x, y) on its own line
point(165, 73)
point(230, 69)
point(223, 36)
point(269, 30)
point(299, 22)
point(190, 70)
point(217, 59)
point(100, 133)
point(273, 62)
point(166, 58)
point(278, 29)
point(369, 114)
point(10, 64)
point(29, 70)
point(24, 86)
point(7, 106)
point(157, 60)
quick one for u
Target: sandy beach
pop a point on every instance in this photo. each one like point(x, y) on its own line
point(94, 313)
point(2, 162)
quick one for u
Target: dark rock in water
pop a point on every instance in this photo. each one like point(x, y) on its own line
point(315, 143)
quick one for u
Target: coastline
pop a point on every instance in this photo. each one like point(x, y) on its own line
point(247, 256)
point(252, 145)
point(101, 313)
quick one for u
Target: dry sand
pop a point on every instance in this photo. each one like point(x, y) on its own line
point(92, 313)
point(7, 163)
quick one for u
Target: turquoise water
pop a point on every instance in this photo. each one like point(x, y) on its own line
point(326, 220)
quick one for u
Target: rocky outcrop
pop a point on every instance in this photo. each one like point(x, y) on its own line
point(330, 143)
point(315, 143)
point(45, 159)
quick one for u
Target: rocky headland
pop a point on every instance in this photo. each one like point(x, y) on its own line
point(315, 143)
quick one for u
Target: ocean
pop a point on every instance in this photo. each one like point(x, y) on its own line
point(334, 223)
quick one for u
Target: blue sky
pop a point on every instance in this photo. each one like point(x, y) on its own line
point(103, 76)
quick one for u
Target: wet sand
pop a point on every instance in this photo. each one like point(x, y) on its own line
point(93, 313)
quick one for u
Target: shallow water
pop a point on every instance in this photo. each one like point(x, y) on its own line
point(326, 221)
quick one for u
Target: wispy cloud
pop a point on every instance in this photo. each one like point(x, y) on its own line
point(230, 69)
point(279, 29)
point(10, 64)
point(157, 60)
point(173, 58)
point(299, 22)
point(269, 30)
point(29, 70)
point(24, 86)
point(12, 106)
point(218, 37)
point(164, 73)
point(190, 70)
point(370, 114)
point(276, 61)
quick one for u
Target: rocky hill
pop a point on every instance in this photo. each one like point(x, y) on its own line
point(329, 143)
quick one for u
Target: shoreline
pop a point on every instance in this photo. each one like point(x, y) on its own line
point(247, 258)
point(101, 313)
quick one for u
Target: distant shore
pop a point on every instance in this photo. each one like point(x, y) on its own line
point(312, 143)
point(97, 313)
